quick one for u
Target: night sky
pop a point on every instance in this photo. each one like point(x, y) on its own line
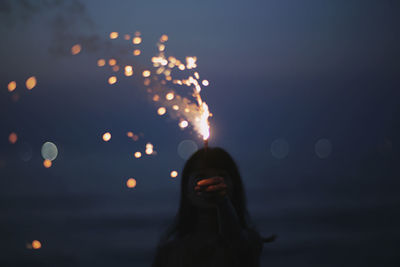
point(304, 95)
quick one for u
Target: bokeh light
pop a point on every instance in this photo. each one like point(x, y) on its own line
point(76, 49)
point(131, 183)
point(161, 111)
point(112, 80)
point(163, 38)
point(13, 138)
point(169, 96)
point(11, 86)
point(136, 52)
point(101, 62)
point(106, 136)
point(138, 154)
point(174, 174)
point(186, 148)
point(205, 83)
point(30, 82)
point(280, 148)
point(113, 35)
point(127, 37)
point(323, 148)
point(136, 40)
point(47, 163)
point(49, 151)
point(146, 73)
point(112, 62)
point(183, 124)
point(36, 244)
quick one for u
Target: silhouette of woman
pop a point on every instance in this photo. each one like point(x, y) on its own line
point(212, 226)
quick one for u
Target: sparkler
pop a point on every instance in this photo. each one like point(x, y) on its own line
point(160, 84)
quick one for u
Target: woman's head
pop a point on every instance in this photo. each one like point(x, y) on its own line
point(203, 164)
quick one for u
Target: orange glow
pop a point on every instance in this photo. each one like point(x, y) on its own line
point(161, 47)
point(114, 35)
point(131, 183)
point(136, 52)
point(12, 138)
point(137, 154)
point(36, 244)
point(106, 136)
point(156, 98)
point(127, 37)
point(31, 83)
point(112, 62)
point(175, 107)
point(146, 73)
point(164, 38)
point(191, 62)
point(174, 174)
point(196, 75)
point(181, 67)
point(187, 110)
point(183, 124)
point(168, 78)
point(161, 111)
point(101, 62)
point(129, 134)
point(169, 96)
point(205, 82)
point(137, 33)
point(47, 163)
point(11, 86)
point(76, 49)
point(115, 68)
point(112, 80)
point(137, 40)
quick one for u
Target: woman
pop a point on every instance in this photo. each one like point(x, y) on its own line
point(212, 225)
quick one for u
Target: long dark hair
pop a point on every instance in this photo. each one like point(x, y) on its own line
point(187, 213)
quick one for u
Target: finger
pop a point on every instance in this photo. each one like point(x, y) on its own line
point(210, 181)
point(216, 187)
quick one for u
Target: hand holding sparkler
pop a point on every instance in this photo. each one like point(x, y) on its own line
point(211, 187)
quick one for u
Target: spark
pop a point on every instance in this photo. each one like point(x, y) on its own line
point(106, 137)
point(47, 163)
point(127, 37)
point(146, 73)
point(113, 35)
point(163, 38)
point(101, 62)
point(191, 62)
point(36, 244)
point(13, 138)
point(115, 68)
point(76, 49)
point(112, 80)
point(205, 82)
point(11, 86)
point(137, 154)
point(30, 82)
point(131, 183)
point(128, 70)
point(161, 111)
point(149, 149)
point(136, 52)
point(174, 174)
point(136, 40)
point(183, 124)
point(156, 98)
point(175, 107)
point(112, 62)
point(169, 96)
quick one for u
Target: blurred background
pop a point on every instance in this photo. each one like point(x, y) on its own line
point(305, 97)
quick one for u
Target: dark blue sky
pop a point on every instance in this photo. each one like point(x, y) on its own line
point(297, 71)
